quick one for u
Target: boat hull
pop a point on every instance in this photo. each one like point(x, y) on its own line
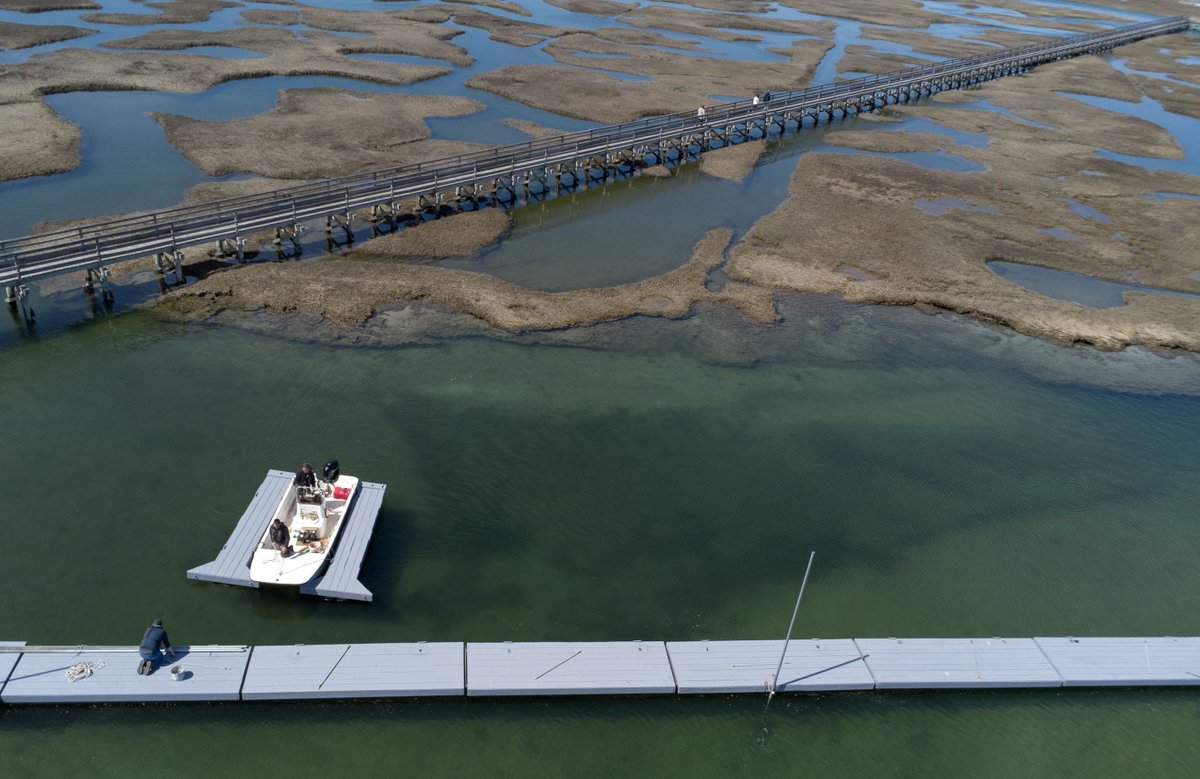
point(313, 530)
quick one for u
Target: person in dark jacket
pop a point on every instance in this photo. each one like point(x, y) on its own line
point(280, 535)
point(305, 477)
point(154, 644)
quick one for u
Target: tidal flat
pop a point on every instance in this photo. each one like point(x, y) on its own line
point(326, 131)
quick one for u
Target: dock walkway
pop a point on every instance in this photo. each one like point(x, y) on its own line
point(455, 669)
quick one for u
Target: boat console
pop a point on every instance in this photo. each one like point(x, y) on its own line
point(311, 522)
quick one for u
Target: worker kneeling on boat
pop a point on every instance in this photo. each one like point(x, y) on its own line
point(280, 536)
point(154, 644)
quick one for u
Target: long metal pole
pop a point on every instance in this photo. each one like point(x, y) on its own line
point(792, 624)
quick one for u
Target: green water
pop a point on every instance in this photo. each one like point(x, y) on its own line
point(645, 479)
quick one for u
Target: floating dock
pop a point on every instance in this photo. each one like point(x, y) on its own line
point(340, 579)
point(749, 666)
point(565, 668)
point(355, 671)
point(455, 669)
point(109, 675)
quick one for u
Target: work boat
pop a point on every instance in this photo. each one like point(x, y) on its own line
point(314, 517)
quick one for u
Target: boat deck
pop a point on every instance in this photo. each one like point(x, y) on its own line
point(340, 581)
point(455, 669)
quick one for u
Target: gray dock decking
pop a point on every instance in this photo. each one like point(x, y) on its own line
point(340, 579)
point(1124, 662)
point(232, 565)
point(211, 674)
point(932, 663)
point(355, 671)
point(569, 668)
point(8, 662)
point(749, 666)
point(455, 669)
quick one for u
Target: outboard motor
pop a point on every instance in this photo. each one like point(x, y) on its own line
point(332, 471)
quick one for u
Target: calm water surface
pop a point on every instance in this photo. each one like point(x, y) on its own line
point(645, 479)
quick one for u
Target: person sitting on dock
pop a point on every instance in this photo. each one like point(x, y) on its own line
point(280, 535)
point(154, 644)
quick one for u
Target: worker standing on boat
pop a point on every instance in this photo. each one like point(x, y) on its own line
point(154, 644)
point(305, 477)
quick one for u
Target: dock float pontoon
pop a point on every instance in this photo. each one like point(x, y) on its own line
point(355, 671)
point(340, 579)
point(35, 674)
point(566, 668)
point(109, 675)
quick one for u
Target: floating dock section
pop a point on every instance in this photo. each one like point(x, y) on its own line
point(749, 666)
point(558, 668)
point(109, 675)
point(456, 669)
point(355, 671)
point(933, 663)
point(340, 579)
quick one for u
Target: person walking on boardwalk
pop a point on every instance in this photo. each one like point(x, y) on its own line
point(154, 644)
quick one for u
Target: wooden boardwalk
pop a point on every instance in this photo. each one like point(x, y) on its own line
point(456, 669)
point(166, 231)
point(339, 580)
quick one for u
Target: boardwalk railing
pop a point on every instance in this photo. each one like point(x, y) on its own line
point(94, 245)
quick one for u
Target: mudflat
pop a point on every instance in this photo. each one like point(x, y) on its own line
point(318, 133)
point(923, 236)
point(23, 36)
point(347, 292)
